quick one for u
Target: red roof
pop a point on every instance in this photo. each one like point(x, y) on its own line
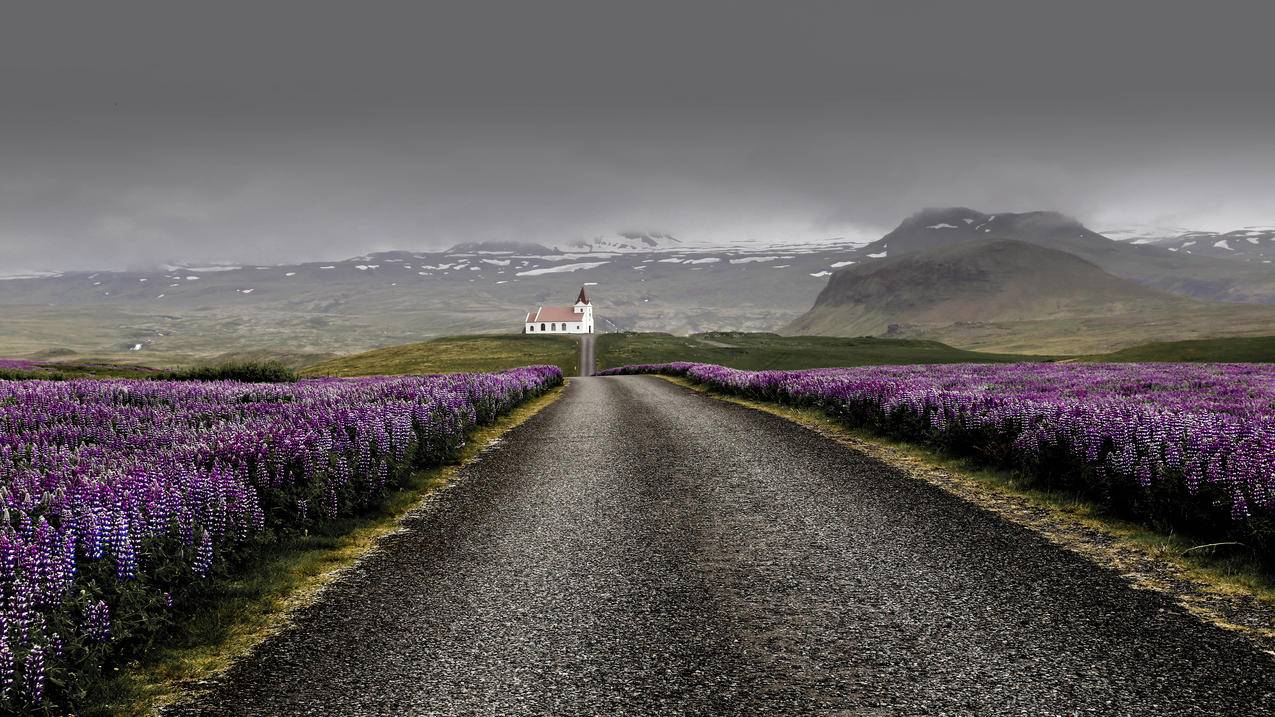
point(555, 314)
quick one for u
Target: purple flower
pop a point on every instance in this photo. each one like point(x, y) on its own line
point(1210, 427)
point(97, 622)
point(93, 473)
point(33, 675)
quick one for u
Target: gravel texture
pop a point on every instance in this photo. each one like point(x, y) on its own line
point(637, 548)
point(587, 361)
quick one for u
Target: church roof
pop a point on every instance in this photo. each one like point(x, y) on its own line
point(583, 298)
point(555, 313)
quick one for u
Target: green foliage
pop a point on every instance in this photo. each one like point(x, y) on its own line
point(58, 371)
point(13, 374)
point(1237, 349)
point(454, 354)
point(762, 351)
point(247, 371)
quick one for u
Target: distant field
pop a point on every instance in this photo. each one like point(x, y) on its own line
point(1251, 349)
point(756, 351)
point(66, 370)
point(457, 353)
point(742, 350)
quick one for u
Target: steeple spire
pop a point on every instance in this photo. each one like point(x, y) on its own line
point(583, 298)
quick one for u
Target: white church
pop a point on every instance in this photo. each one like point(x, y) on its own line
point(575, 319)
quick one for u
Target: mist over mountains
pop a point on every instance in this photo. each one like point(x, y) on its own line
point(1032, 281)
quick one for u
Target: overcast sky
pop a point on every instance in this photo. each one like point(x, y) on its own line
point(133, 134)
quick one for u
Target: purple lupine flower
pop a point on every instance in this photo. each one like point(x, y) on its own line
point(204, 555)
point(1208, 425)
point(97, 622)
point(33, 675)
point(90, 470)
point(7, 675)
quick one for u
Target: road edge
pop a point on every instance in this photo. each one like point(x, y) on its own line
point(1124, 547)
point(179, 673)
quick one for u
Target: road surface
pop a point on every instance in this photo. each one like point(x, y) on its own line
point(638, 548)
point(586, 355)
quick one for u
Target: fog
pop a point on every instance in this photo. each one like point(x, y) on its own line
point(134, 134)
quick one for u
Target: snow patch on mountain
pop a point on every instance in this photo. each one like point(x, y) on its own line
point(562, 268)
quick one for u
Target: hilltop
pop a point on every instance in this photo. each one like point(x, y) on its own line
point(1148, 264)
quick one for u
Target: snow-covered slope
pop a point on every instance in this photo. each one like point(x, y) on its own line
point(1250, 244)
point(628, 241)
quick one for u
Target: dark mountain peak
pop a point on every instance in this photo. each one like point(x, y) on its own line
point(1039, 223)
point(986, 280)
point(964, 218)
point(943, 226)
point(932, 217)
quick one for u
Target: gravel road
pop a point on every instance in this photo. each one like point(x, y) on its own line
point(637, 548)
point(586, 355)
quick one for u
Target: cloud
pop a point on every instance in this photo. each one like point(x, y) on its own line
point(129, 138)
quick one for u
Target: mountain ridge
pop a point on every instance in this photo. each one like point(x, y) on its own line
point(996, 293)
point(1201, 277)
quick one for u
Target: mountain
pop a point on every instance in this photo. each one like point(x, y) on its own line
point(396, 297)
point(628, 241)
point(988, 280)
point(939, 227)
point(1250, 244)
point(1148, 264)
point(1012, 295)
point(645, 281)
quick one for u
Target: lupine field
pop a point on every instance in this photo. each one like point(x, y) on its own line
point(126, 500)
point(1181, 446)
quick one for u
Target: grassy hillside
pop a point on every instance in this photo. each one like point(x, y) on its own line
point(457, 353)
point(757, 351)
point(1008, 296)
point(1248, 349)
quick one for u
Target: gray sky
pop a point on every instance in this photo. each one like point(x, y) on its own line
point(133, 134)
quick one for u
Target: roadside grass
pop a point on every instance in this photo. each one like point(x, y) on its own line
point(257, 604)
point(489, 352)
point(1219, 569)
point(763, 351)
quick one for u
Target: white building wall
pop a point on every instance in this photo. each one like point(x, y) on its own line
point(584, 324)
point(556, 327)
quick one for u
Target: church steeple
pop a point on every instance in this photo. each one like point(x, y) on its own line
point(583, 298)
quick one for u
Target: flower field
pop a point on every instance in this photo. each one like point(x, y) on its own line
point(1182, 446)
point(124, 499)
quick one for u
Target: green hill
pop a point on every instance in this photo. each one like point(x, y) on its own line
point(455, 354)
point(759, 351)
point(1245, 349)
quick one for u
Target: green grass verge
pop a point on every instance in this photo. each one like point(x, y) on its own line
point(1251, 349)
point(456, 354)
point(256, 604)
point(760, 351)
point(1222, 570)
